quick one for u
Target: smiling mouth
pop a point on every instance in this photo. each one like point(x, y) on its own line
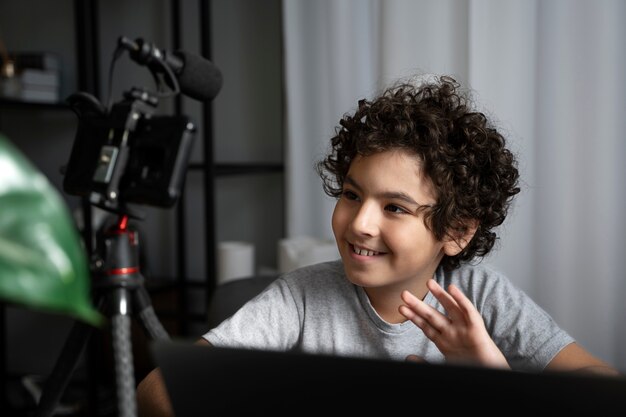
point(363, 251)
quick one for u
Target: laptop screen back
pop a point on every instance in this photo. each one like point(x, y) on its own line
point(224, 381)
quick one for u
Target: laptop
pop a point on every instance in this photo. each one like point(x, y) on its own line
point(226, 381)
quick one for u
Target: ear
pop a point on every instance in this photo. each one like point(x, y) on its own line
point(459, 238)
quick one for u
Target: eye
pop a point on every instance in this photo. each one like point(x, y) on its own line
point(349, 195)
point(395, 209)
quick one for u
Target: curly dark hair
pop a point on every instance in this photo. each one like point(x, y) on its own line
point(474, 175)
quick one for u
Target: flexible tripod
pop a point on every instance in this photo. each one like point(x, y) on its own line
point(124, 153)
point(120, 292)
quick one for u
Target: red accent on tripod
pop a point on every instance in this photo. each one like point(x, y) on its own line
point(123, 271)
point(123, 222)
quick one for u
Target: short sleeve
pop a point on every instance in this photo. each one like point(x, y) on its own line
point(525, 333)
point(268, 321)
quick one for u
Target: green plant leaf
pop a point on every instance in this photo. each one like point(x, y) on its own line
point(42, 262)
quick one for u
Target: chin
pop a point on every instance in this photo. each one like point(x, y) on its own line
point(363, 278)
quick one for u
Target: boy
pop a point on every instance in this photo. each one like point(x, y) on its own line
point(421, 181)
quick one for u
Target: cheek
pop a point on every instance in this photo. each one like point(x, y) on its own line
point(408, 237)
point(338, 220)
point(398, 237)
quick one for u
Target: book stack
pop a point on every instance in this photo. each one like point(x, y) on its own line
point(36, 77)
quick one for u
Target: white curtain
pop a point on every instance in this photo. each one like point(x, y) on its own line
point(552, 73)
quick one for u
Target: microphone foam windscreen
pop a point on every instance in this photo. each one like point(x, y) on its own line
point(199, 78)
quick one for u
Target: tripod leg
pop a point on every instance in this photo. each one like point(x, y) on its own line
point(147, 316)
point(63, 369)
point(123, 355)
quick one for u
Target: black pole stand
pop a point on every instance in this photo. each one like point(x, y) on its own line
point(120, 292)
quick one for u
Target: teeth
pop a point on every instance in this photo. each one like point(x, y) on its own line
point(364, 252)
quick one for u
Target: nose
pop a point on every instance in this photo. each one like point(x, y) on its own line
point(366, 220)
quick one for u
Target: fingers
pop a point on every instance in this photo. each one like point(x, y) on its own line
point(430, 332)
point(463, 303)
point(447, 301)
point(423, 315)
point(460, 334)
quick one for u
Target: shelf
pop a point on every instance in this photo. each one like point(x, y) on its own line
point(21, 104)
point(242, 168)
point(156, 285)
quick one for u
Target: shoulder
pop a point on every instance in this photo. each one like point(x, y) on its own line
point(471, 275)
point(479, 282)
point(322, 270)
point(324, 277)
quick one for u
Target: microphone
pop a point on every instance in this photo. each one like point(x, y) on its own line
point(197, 77)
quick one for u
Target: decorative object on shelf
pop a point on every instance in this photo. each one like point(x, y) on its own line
point(42, 263)
point(9, 84)
point(41, 85)
point(30, 76)
point(301, 251)
point(235, 260)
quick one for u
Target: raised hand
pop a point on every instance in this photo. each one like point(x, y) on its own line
point(460, 335)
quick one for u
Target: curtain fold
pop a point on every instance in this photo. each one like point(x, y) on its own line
point(552, 74)
point(329, 65)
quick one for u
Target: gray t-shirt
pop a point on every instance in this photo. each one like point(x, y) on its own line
point(316, 309)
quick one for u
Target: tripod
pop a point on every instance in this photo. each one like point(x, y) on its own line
point(124, 153)
point(119, 291)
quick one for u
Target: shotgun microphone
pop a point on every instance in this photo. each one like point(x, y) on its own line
point(197, 77)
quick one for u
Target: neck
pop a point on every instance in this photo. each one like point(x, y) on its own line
point(386, 300)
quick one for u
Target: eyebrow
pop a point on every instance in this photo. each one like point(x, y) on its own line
point(393, 195)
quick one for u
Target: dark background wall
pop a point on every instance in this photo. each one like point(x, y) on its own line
point(247, 127)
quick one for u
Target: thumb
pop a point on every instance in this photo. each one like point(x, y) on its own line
point(415, 358)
